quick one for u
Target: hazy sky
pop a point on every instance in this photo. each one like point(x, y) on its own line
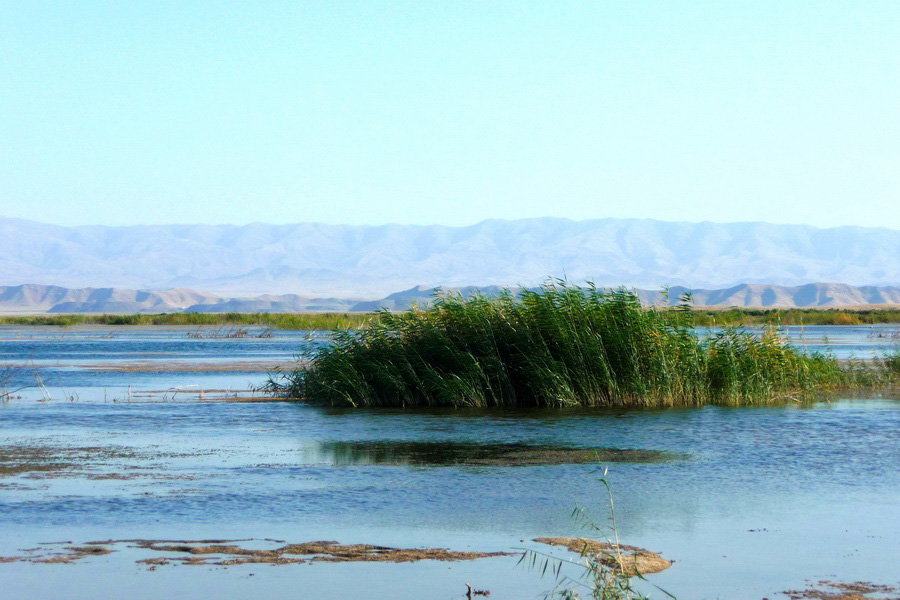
point(449, 112)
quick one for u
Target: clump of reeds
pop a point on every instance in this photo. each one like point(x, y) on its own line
point(891, 362)
point(561, 345)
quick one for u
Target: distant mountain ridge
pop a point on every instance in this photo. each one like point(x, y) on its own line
point(52, 298)
point(318, 260)
point(819, 295)
point(34, 298)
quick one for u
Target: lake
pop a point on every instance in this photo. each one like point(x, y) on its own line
point(138, 437)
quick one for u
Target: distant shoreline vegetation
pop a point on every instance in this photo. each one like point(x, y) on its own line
point(561, 345)
point(795, 316)
point(354, 320)
point(287, 321)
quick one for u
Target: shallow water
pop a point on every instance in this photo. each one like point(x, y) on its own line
point(747, 502)
point(114, 363)
point(845, 341)
point(66, 360)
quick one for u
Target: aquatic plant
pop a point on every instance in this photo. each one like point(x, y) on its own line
point(891, 361)
point(609, 572)
point(796, 316)
point(560, 345)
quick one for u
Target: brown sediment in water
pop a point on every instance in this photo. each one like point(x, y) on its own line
point(22, 459)
point(328, 551)
point(37, 461)
point(838, 590)
point(229, 553)
point(65, 555)
point(42, 461)
point(631, 560)
point(201, 395)
point(319, 551)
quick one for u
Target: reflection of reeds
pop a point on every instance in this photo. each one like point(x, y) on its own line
point(561, 345)
point(5, 376)
point(476, 454)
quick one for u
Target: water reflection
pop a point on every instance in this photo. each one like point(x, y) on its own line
point(437, 454)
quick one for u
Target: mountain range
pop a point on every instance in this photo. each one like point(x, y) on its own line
point(33, 298)
point(317, 260)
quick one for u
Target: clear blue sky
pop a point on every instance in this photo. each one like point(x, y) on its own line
point(449, 112)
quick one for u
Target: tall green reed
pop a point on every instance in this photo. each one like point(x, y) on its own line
point(560, 345)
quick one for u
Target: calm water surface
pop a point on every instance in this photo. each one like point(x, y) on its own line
point(751, 502)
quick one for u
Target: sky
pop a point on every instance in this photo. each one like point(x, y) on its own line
point(449, 112)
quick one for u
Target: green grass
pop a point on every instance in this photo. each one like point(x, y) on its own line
point(297, 321)
point(337, 320)
point(561, 345)
point(797, 316)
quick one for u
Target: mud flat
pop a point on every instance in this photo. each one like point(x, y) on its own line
point(630, 559)
point(839, 590)
point(223, 552)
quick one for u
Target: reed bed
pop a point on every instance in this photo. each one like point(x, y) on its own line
point(344, 320)
point(560, 345)
point(797, 316)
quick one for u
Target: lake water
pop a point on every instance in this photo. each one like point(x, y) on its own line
point(748, 502)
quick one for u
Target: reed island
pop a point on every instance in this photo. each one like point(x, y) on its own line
point(564, 345)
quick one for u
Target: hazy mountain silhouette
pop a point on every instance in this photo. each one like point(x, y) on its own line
point(33, 298)
point(371, 261)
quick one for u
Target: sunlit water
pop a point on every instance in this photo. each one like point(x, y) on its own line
point(749, 502)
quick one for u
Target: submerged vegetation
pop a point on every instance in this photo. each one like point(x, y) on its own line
point(561, 345)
